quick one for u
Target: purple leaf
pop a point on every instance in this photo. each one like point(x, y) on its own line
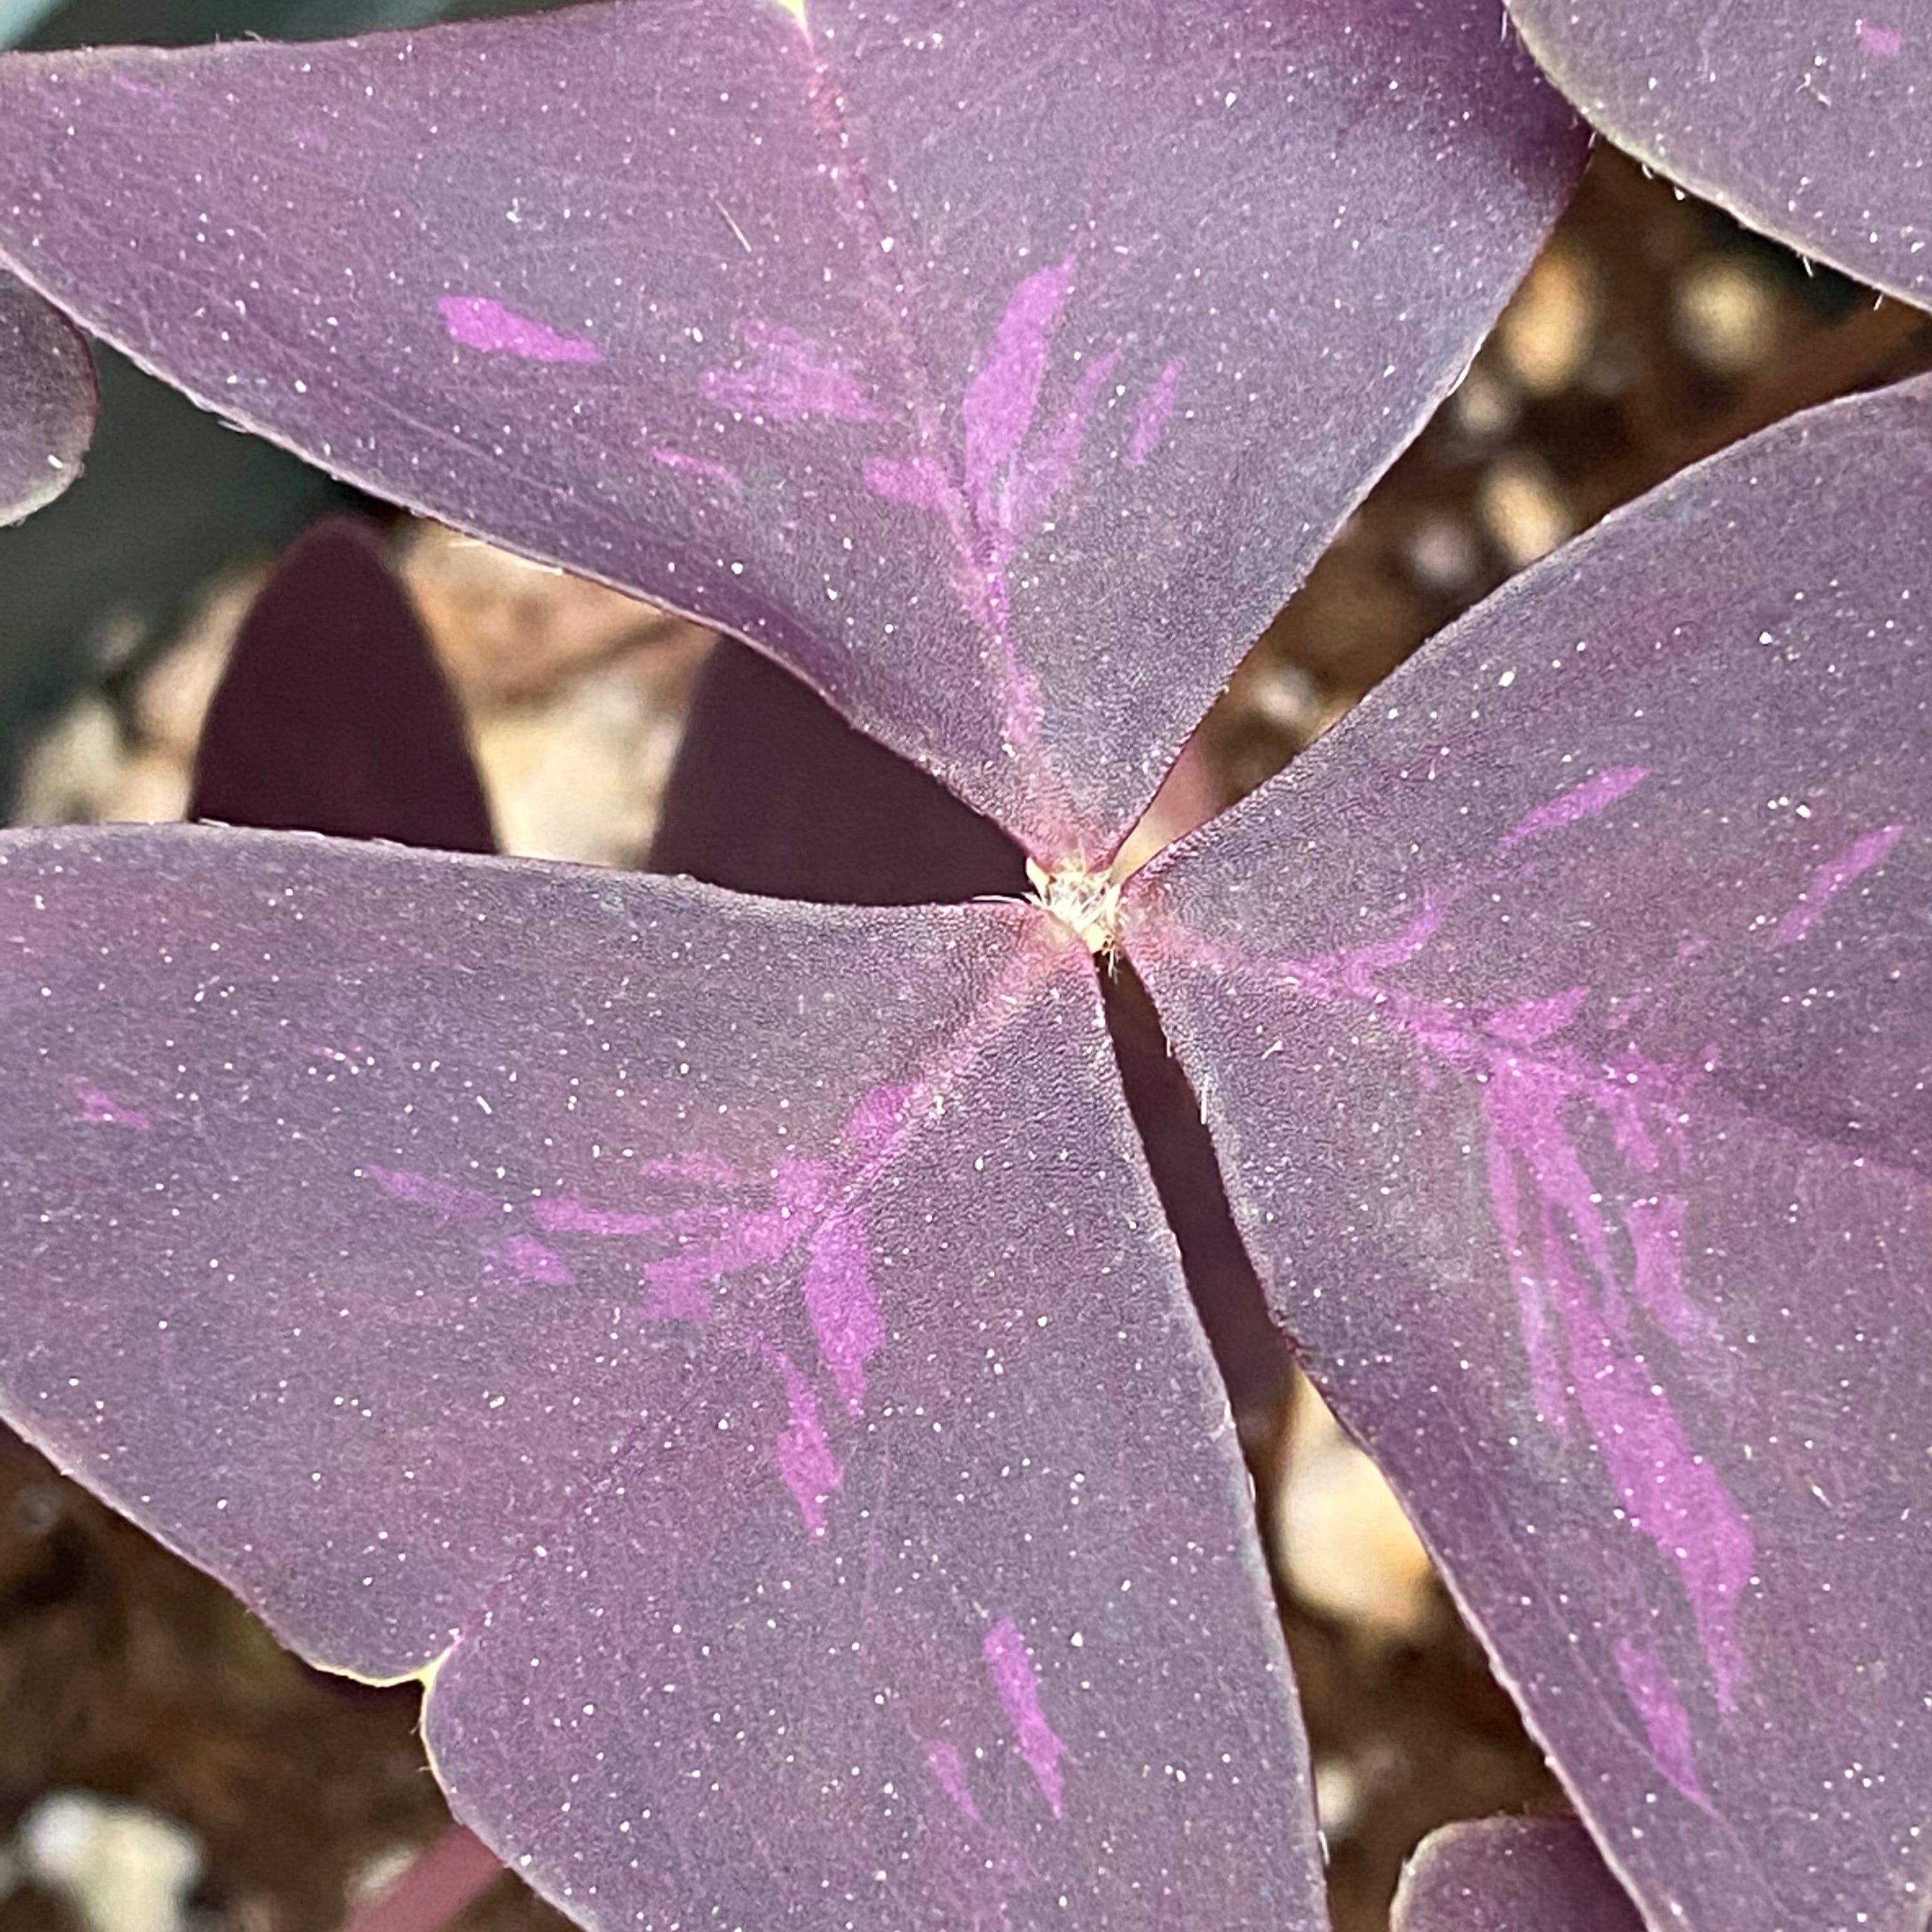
point(774, 793)
point(537, 1275)
point(333, 714)
point(1562, 1024)
point(850, 335)
point(1511, 1875)
point(1806, 121)
point(47, 402)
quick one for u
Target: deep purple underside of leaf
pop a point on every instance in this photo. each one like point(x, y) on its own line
point(47, 402)
point(1810, 122)
point(1565, 1023)
point(1001, 368)
point(742, 1337)
point(333, 714)
point(1511, 1875)
point(773, 792)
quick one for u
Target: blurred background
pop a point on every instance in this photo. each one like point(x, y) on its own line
point(163, 1764)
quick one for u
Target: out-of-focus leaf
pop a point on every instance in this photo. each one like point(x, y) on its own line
point(47, 402)
point(1564, 1022)
point(801, 1464)
point(1809, 121)
point(168, 498)
point(774, 793)
point(1007, 438)
point(1512, 1875)
point(333, 715)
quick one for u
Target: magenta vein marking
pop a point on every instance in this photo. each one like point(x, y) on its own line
point(1583, 801)
point(843, 1302)
point(804, 1458)
point(448, 1198)
point(481, 323)
point(1053, 456)
point(99, 1108)
point(788, 377)
point(1561, 1233)
point(948, 1767)
point(1009, 1668)
point(1654, 1696)
point(1888, 43)
point(530, 1261)
point(1011, 471)
point(682, 460)
point(1655, 1226)
point(1001, 400)
point(876, 1120)
point(1830, 879)
point(566, 1214)
point(1151, 414)
point(1670, 1492)
point(1528, 1022)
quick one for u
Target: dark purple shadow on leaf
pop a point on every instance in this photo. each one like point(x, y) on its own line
point(1808, 122)
point(333, 715)
point(1565, 1022)
point(1250, 1349)
point(1014, 490)
point(48, 401)
point(1511, 1875)
point(774, 793)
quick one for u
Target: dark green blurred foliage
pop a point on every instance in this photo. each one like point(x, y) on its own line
point(169, 495)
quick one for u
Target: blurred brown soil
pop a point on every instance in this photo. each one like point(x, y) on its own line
point(1652, 333)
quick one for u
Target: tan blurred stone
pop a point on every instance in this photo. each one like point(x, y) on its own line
point(1444, 554)
point(172, 699)
point(1341, 1539)
point(508, 631)
point(1487, 403)
point(1545, 335)
point(1189, 796)
point(150, 788)
point(117, 1867)
point(582, 776)
point(575, 763)
point(1523, 509)
point(73, 764)
point(1346, 1784)
point(1726, 314)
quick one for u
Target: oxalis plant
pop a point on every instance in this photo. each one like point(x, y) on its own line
point(732, 1350)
